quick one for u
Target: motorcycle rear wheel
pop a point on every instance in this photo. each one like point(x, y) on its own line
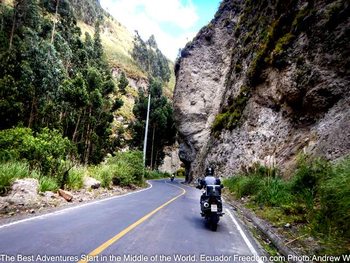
point(213, 222)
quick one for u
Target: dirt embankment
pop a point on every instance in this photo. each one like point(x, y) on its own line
point(25, 200)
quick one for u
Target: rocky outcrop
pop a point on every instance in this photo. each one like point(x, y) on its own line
point(138, 83)
point(171, 162)
point(262, 82)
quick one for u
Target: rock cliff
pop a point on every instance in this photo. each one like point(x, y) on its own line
point(262, 82)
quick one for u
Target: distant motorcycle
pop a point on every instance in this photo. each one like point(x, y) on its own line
point(211, 204)
point(172, 177)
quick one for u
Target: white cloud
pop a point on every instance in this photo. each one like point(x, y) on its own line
point(145, 16)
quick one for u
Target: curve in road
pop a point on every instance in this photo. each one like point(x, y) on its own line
point(160, 224)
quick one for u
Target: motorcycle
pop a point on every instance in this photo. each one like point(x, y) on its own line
point(172, 177)
point(211, 205)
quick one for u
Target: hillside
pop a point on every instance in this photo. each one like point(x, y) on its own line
point(118, 45)
point(117, 40)
point(119, 49)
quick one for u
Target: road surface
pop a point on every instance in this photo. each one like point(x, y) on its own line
point(158, 224)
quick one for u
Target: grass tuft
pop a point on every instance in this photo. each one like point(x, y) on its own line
point(75, 179)
point(48, 184)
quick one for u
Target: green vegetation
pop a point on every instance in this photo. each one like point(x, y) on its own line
point(118, 45)
point(45, 150)
point(75, 180)
point(9, 171)
point(124, 169)
point(123, 83)
point(155, 175)
point(58, 96)
point(150, 58)
point(317, 197)
point(180, 172)
point(161, 124)
point(282, 44)
point(51, 78)
point(48, 184)
point(232, 113)
point(89, 12)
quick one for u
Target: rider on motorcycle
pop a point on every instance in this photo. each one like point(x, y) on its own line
point(208, 180)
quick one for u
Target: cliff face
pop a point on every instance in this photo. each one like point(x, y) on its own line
point(262, 82)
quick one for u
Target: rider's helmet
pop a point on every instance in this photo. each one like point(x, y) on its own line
point(209, 171)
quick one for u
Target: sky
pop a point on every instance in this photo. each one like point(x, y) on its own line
point(172, 22)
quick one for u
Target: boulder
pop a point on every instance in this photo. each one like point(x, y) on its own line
point(24, 192)
point(92, 183)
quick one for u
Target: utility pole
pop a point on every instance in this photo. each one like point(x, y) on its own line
point(146, 131)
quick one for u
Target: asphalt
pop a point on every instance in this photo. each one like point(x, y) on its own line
point(175, 232)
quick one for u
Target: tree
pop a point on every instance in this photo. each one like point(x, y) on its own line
point(150, 58)
point(97, 44)
point(50, 78)
point(123, 83)
point(161, 123)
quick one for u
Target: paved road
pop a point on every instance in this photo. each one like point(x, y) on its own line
point(159, 224)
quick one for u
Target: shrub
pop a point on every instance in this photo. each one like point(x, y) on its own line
point(243, 185)
point(308, 174)
point(75, 178)
point(104, 174)
point(231, 115)
point(275, 192)
point(156, 174)
point(335, 199)
point(127, 168)
point(122, 175)
point(10, 171)
point(45, 150)
point(266, 191)
point(181, 172)
point(48, 184)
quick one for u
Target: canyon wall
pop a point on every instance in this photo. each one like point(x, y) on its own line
point(264, 81)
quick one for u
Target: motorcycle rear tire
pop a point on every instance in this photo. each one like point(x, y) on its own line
point(213, 221)
point(213, 226)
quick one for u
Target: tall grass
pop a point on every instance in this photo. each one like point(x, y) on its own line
point(335, 200)
point(104, 174)
point(264, 191)
point(319, 191)
point(75, 178)
point(48, 184)
point(156, 174)
point(9, 172)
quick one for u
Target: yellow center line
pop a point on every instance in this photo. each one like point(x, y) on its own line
point(114, 239)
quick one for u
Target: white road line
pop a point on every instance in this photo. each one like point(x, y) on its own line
point(64, 210)
point(245, 238)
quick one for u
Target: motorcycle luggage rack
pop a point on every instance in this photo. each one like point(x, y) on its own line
point(213, 190)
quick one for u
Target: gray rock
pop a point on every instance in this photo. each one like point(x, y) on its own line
point(91, 183)
point(24, 192)
point(171, 162)
point(303, 94)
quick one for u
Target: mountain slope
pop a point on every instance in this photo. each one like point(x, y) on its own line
point(117, 40)
point(262, 82)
